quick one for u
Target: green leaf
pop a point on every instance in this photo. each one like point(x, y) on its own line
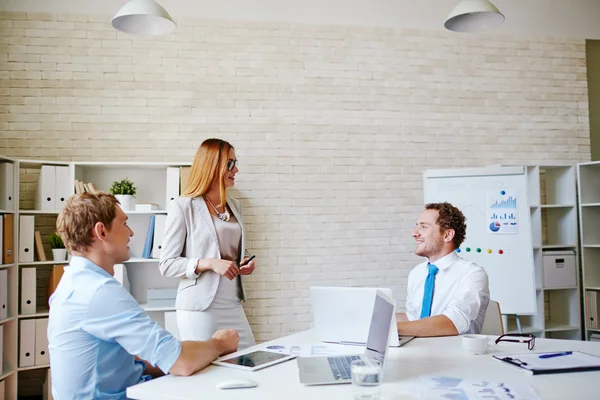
point(124, 186)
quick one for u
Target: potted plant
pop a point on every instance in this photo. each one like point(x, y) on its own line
point(124, 191)
point(58, 247)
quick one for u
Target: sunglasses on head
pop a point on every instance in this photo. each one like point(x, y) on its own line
point(231, 164)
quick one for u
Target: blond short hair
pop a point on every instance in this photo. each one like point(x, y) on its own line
point(76, 221)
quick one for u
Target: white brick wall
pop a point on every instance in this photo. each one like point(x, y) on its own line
point(333, 126)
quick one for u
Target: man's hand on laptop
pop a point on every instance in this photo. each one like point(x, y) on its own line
point(227, 340)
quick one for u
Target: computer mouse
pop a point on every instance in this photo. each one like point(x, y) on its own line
point(236, 384)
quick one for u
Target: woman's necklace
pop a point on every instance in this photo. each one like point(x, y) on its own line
point(224, 216)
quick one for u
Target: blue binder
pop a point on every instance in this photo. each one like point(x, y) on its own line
point(149, 239)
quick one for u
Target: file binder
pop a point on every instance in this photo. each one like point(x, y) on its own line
point(28, 289)
point(159, 232)
point(8, 242)
point(146, 253)
point(39, 247)
point(121, 276)
point(185, 178)
point(1, 239)
point(41, 342)
point(46, 189)
point(3, 294)
point(55, 275)
point(26, 227)
point(27, 343)
point(2, 390)
point(47, 388)
point(1, 350)
point(171, 324)
point(7, 183)
point(542, 363)
point(62, 189)
point(172, 185)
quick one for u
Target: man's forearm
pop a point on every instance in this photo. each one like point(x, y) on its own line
point(154, 372)
point(439, 325)
point(401, 317)
point(195, 356)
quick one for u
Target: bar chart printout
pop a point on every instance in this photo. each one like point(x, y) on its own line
point(448, 388)
point(502, 216)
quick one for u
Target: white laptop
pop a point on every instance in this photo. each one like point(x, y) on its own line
point(343, 314)
point(336, 369)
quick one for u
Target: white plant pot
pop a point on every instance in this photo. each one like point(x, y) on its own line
point(127, 202)
point(59, 254)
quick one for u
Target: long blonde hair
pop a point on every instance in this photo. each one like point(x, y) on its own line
point(210, 163)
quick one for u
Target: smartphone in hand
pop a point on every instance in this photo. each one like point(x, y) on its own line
point(247, 261)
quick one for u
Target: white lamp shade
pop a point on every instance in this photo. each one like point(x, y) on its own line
point(143, 18)
point(473, 16)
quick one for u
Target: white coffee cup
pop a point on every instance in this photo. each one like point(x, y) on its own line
point(475, 344)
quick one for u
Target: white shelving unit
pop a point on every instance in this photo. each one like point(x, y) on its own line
point(553, 211)
point(588, 175)
point(150, 180)
point(8, 372)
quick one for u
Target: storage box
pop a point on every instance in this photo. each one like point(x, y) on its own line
point(559, 269)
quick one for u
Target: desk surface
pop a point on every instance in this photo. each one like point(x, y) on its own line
point(422, 356)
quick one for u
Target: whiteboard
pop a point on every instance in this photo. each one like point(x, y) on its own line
point(494, 201)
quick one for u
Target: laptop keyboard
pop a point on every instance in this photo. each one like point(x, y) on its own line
point(340, 366)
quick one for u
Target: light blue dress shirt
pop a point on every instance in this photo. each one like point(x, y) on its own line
point(95, 327)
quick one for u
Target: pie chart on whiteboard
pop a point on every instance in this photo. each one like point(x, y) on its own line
point(495, 226)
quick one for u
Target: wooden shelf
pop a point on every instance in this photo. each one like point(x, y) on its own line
point(7, 211)
point(5, 320)
point(45, 263)
point(148, 308)
point(558, 246)
point(556, 327)
point(563, 288)
point(6, 372)
point(40, 312)
point(33, 367)
point(38, 212)
point(6, 265)
point(153, 212)
point(590, 204)
point(527, 329)
point(141, 260)
point(557, 205)
point(38, 163)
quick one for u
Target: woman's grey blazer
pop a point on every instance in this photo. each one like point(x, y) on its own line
point(189, 236)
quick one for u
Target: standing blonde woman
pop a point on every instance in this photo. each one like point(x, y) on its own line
point(204, 246)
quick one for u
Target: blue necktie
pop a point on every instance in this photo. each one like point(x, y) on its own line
point(428, 292)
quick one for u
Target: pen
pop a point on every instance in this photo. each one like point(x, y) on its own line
point(247, 261)
point(551, 355)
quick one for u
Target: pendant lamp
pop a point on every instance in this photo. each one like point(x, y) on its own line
point(143, 18)
point(473, 16)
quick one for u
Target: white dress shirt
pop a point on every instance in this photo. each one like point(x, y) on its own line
point(461, 292)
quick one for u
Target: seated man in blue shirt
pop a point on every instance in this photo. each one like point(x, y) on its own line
point(96, 327)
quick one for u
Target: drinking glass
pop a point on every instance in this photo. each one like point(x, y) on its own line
point(366, 379)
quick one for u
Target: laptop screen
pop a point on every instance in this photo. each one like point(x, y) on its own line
point(380, 329)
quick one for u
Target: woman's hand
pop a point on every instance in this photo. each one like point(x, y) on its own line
point(248, 268)
point(226, 268)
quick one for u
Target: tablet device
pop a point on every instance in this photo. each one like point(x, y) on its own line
point(254, 360)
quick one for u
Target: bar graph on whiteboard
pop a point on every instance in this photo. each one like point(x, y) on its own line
point(502, 217)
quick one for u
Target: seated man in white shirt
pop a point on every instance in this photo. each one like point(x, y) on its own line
point(96, 327)
point(447, 295)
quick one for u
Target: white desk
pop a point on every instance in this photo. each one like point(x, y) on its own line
point(438, 356)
